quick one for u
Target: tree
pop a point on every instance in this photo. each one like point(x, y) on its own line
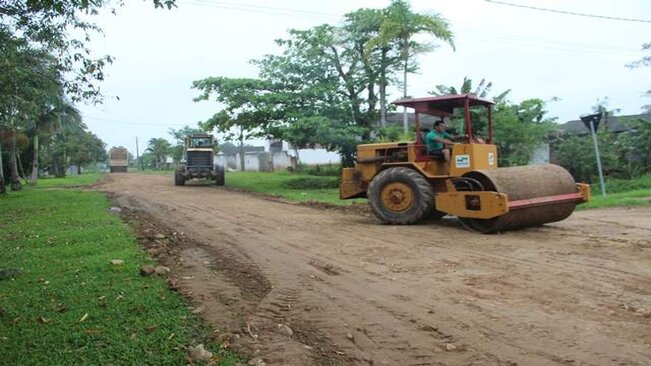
point(29, 77)
point(54, 119)
point(643, 62)
point(400, 25)
point(47, 25)
point(179, 139)
point(519, 129)
point(380, 60)
point(482, 90)
point(159, 148)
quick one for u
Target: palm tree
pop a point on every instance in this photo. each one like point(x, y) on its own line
point(399, 26)
point(53, 120)
point(482, 90)
point(160, 148)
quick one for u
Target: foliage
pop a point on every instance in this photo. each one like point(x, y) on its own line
point(399, 26)
point(322, 89)
point(46, 25)
point(320, 182)
point(635, 148)
point(159, 148)
point(320, 170)
point(68, 305)
point(644, 61)
point(577, 155)
point(482, 90)
point(518, 129)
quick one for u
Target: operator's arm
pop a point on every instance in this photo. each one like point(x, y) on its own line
point(445, 139)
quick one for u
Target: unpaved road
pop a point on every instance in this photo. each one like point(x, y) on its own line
point(360, 293)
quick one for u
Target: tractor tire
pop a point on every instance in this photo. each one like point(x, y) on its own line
point(220, 176)
point(179, 180)
point(400, 196)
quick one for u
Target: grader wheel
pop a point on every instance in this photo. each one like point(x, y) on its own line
point(220, 176)
point(178, 178)
point(400, 196)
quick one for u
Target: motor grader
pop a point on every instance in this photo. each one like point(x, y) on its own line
point(198, 161)
point(405, 185)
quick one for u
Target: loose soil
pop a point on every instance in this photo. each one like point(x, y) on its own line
point(293, 284)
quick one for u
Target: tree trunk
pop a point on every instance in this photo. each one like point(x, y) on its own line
point(383, 104)
point(242, 149)
point(34, 176)
point(383, 90)
point(405, 121)
point(3, 189)
point(13, 165)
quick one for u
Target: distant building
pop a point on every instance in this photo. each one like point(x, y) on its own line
point(609, 123)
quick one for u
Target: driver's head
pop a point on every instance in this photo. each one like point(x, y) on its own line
point(440, 126)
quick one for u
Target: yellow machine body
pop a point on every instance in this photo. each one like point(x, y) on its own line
point(404, 185)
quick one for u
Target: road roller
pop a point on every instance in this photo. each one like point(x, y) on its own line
point(405, 185)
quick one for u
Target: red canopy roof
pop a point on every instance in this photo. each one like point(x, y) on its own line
point(442, 105)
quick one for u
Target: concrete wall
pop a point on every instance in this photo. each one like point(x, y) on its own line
point(540, 155)
point(256, 161)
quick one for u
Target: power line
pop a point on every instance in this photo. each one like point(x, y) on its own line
point(570, 12)
point(254, 8)
point(131, 122)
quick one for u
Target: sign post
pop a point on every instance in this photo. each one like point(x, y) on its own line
point(591, 121)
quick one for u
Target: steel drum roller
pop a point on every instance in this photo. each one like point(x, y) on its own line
point(521, 183)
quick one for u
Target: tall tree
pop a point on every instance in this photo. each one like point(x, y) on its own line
point(644, 61)
point(160, 148)
point(47, 24)
point(482, 90)
point(399, 26)
point(381, 60)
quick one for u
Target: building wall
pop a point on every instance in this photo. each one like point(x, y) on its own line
point(256, 161)
point(540, 155)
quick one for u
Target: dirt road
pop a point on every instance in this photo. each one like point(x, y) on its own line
point(298, 285)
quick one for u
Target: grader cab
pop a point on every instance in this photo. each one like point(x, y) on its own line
point(405, 185)
point(198, 161)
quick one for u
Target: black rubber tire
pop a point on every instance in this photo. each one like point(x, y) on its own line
point(179, 180)
point(220, 176)
point(406, 182)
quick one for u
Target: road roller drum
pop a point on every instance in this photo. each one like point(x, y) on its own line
point(522, 186)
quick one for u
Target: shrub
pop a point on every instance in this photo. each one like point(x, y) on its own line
point(312, 183)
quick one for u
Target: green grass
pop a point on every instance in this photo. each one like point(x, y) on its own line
point(279, 184)
point(69, 181)
point(62, 241)
point(639, 197)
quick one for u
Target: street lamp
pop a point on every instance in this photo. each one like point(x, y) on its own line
point(591, 121)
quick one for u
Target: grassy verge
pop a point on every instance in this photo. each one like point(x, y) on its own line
point(67, 304)
point(639, 197)
point(297, 187)
point(67, 182)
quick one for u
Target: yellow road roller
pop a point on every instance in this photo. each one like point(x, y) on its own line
point(405, 184)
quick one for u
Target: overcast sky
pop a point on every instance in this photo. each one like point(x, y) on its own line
point(535, 53)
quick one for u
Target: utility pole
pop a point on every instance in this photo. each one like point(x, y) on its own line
point(138, 156)
point(592, 122)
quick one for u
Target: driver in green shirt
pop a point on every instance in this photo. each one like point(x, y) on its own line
point(438, 141)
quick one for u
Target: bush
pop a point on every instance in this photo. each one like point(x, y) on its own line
point(332, 170)
point(624, 185)
point(312, 183)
